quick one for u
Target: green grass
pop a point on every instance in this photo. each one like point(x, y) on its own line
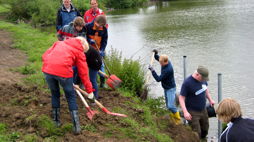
point(6, 136)
point(4, 8)
point(34, 43)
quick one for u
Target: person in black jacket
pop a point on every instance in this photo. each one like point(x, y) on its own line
point(94, 62)
point(239, 129)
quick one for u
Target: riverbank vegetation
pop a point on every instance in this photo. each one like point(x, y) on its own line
point(43, 12)
point(26, 106)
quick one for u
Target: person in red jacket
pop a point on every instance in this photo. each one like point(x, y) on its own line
point(57, 68)
point(93, 12)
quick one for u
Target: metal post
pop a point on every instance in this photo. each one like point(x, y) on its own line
point(184, 77)
point(219, 99)
point(184, 67)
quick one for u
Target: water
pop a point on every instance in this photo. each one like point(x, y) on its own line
point(217, 34)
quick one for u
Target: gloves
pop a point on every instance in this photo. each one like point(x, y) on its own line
point(102, 53)
point(90, 96)
point(92, 41)
point(155, 51)
point(150, 68)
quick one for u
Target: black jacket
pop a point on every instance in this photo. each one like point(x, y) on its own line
point(239, 130)
point(93, 59)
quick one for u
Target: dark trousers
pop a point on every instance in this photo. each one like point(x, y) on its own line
point(199, 122)
point(67, 84)
point(93, 79)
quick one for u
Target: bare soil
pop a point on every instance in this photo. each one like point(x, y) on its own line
point(18, 103)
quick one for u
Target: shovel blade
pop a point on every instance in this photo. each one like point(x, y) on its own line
point(112, 113)
point(114, 82)
point(90, 113)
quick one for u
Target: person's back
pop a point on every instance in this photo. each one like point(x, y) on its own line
point(240, 130)
point(59, 59)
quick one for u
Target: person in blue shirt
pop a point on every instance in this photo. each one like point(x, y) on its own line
point(239, 129)
point(168, 83)
point(192, 99)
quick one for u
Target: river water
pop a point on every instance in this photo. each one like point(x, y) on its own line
point(216, 34)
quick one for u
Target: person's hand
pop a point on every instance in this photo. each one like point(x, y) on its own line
point(92, 41)
point(187, 116)
point(150, 68)
point(102, 53)
point(90, 96)
point(155, 51)
point(212, 102)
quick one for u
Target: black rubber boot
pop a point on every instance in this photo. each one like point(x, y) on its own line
point(75, 121)
point(102, 82)
point(56, 116)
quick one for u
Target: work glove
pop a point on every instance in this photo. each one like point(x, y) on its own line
point(102, 53)
point(150, 68)
point(91, 96)
point(155, 51)
point(92, 41)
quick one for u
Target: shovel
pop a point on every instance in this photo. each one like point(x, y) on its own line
point(112, 81)
point(89, 113)
point(104, 109)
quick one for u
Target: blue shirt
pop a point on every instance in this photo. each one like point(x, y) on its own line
point(167, 75)
point(194, 92)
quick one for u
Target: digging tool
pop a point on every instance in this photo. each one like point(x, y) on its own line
point(148, 73)
point(104, 109)
point(112, 81)
point(90, 113)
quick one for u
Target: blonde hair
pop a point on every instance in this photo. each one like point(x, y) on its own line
point(163, 58)
point(228, 109)
point(78, 21)
point(84, 43)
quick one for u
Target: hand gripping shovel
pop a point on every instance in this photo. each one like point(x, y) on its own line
point(89, 113)
point(104, 109)
point(112, 81)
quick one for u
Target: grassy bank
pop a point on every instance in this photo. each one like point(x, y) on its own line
point(26, 109)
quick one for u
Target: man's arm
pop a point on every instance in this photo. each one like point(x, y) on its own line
point(104, 41)
point(208, 96)
point(187, 115)
point(157, 77)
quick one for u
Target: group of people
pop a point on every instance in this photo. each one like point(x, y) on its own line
point(76, 57)
point(193, 95)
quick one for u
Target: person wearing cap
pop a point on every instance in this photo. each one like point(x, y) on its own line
point(238, 129)
point(168, 83)
point(193, 95)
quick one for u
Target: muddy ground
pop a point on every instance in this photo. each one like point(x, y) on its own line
point(21, 106)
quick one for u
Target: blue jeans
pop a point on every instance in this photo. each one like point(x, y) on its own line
point(170, 95)
point(102, 69)
point(93, 79)
point(67, 84)
point(76, 79)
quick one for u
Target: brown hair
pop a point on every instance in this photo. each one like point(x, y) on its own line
point(164, 58)
point(94, 0)
point(101, 20)
point(78, 21)
point(228, 109)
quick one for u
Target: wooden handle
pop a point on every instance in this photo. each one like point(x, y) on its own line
point(82, 98)
point(104, 74)
point(148, 73)
point(85, 93)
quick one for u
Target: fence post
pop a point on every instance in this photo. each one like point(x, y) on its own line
point(184, 67)
point(219, 99)
point(184, 77)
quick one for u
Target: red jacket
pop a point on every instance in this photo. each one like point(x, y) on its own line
point(89, 15)
point(62, 56)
